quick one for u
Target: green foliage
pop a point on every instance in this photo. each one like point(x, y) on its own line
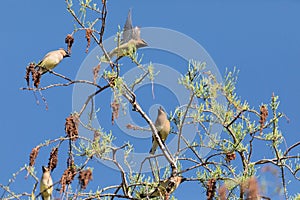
point(232, 159)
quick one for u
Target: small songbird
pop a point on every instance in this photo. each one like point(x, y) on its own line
point(46, 184)
point(51, 60)
point(162, 125)
point(165, 187)
point(130, 42)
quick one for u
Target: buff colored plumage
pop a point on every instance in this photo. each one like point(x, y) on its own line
point(131, 41)
point(46, 183)
point(165, 188)
point(51, 60)
point(162, 124)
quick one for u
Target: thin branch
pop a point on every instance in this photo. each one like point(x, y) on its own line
point(90, 97)
point(182, 122)
point(291, 148)
point(235, 118)
point(137, 108)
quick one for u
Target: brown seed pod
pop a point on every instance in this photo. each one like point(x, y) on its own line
point(71, 127)
point(211, 189)
point(69, 41)
point(84, 177)
point(230, 156)
point(33, 154)
point(95, 72)
point(263, 117)
point(53, 159)
point(88, 33)
point(130, 126)
point(29, 70)
point(67, 177)
point(36, 76)
point(115, 111)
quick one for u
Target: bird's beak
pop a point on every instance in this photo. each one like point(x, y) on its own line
point(141, 43)
point(68, 54)
point(43, 168)
point(183, 179)
point(144, 43)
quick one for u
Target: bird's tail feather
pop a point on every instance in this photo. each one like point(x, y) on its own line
point(46, 198)
point(154, 147)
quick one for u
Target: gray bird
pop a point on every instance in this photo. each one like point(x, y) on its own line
point(130, 42)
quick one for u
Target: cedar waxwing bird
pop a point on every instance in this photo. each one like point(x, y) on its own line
point(130, 42)
point(46, 184)
point(51, 59)
point(165, 187)
point(162, 125)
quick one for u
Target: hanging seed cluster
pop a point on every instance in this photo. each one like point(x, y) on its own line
point(211, 189)
point(33, 154)
point(263, 117)
point(67, 177)
point(115, 111)
point(71, 127)
point(69, 40)
point(36, 76)
point(84, 177)
point(230, 156)
point(53, 159)
point(88, 33)
point(96, 73)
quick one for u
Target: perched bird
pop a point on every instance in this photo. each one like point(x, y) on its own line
point(51, 59)
point(46, 184)
point(165, 188)
point(162, 125)
point(130, 42)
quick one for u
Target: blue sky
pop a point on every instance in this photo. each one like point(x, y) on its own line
point(262, 39)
